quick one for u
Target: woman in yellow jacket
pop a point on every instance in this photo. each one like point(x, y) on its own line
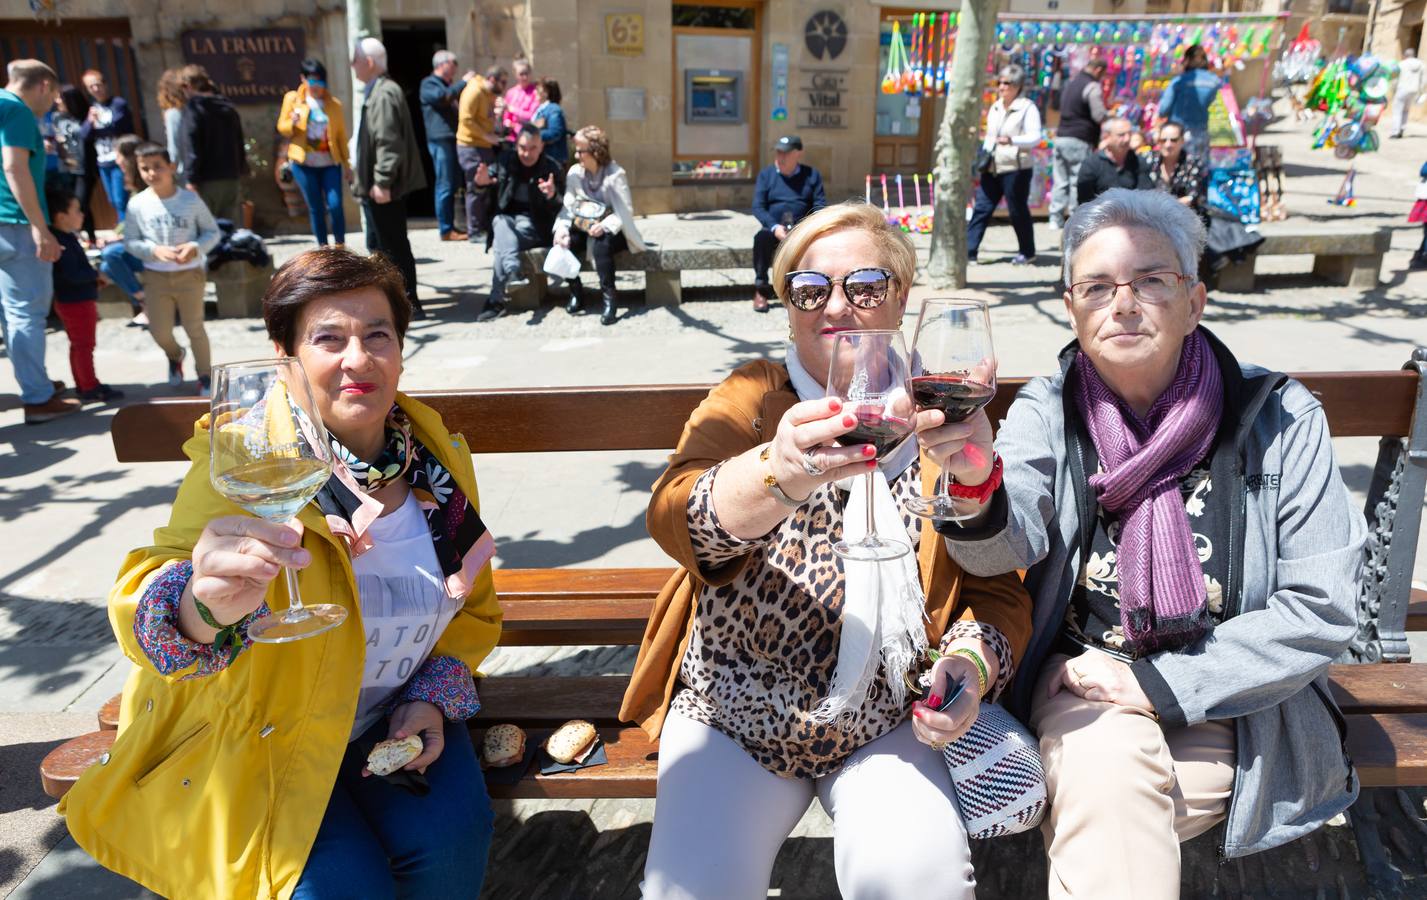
point(239, 768)
point(311, 119)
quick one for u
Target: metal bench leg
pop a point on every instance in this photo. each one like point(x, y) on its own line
point(662, 289)
point(1353, 271)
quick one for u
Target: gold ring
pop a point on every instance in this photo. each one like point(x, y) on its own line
point(938, 746)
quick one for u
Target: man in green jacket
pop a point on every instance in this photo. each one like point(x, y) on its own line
point(386, 166)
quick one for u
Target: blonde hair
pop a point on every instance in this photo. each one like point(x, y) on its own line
point(894, 249)
point(171, 90)
point(599, 143)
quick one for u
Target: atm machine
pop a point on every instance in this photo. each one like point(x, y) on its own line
point(713, 97)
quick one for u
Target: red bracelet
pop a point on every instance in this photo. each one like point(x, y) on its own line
point(979, 492)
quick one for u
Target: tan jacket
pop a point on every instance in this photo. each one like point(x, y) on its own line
point(476, 114)
point(739, 414)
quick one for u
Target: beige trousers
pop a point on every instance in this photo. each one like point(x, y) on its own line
point(165, 292)
point(1123, 794)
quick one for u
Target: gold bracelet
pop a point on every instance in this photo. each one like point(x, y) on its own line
point(983, 675)
point(771, 483)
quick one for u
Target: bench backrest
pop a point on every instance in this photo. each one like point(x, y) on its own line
point(651, 417)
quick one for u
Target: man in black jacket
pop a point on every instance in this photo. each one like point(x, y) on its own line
point(1082, 109)
point(524, 192)
point(211, 141)
point(439, 95)
point(1113, 165)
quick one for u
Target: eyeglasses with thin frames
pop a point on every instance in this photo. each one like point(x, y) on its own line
point(1152, 288)
point(864, 288)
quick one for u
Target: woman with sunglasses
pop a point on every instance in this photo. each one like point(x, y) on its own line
point(1013, 127)
point(1180, 175)
point(1194, 556)
point(598, 213)
point(312, 121)
point(763, 692)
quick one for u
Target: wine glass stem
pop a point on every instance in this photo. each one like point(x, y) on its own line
point(871, 517)
point(943, 487)
point(294, 598)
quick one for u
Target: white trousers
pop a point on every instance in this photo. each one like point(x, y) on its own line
point(720, 818)
point(1401, 105)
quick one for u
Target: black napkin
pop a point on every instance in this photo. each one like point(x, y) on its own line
point(512, 773)
point(407, 779)
point(597, 757)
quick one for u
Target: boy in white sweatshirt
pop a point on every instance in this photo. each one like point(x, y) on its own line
point(172, 231)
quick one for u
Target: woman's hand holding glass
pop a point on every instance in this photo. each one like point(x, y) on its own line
point(234, 561)
point(963, 449)
point(938, 728)
point(804, 442)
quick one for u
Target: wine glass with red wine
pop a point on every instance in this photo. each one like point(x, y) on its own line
point(955, 372)
point(868, 373)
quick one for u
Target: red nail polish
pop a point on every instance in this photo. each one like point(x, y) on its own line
point(848, 421)
point(872, 464)
point(916, 713)
point(834, 405)
point(869, 450)
point(934, 701)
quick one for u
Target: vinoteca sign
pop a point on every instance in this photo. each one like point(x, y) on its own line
point(256, 65)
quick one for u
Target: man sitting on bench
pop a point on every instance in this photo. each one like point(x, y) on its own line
point(1193, 555)
point(784, 193)
point(524, 192)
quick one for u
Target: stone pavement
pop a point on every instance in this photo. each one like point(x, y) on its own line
point(68, 512)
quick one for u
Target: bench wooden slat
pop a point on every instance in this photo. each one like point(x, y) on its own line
point(519, 585)
point(633, 765)
point(1380, 688)
point(652, 417)
point(1389, 750)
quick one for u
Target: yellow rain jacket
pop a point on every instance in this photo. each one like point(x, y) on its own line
point(216, 785)
point(299, 146)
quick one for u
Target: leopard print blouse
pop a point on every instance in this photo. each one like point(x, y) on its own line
point(763, 648)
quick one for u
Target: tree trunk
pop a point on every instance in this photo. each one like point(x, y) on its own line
point(957, 139)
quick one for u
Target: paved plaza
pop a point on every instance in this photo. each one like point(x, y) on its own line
point(68, 511)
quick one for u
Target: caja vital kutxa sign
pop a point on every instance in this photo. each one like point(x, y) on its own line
point(255, 65)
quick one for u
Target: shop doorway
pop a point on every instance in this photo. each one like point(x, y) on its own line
point(409, 48)
point(717, 48)
point(905, 125)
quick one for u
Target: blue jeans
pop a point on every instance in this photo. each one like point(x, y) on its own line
point(112, 177)
point(321, 187)
point(123, 268)
point(26, 286)
point(448, 175)
point(378, 840)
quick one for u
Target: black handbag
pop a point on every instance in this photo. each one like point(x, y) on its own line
point(985, 159)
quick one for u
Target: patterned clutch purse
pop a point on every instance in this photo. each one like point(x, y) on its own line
point(1000, 781)
point(587, 213)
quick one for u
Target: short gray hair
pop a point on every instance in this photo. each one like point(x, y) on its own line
point(441, 57)
point(1152, 210)
point(372, 49)
point(1014, 73)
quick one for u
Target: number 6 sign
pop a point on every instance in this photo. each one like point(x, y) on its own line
point(624, 34)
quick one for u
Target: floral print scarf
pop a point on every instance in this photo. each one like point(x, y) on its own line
point(461, 540)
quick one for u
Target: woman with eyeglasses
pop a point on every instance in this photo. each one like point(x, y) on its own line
point(1182, 176)
point(762, 692)
point(1013, 127)
point(598, 213)
point(1193, 555)
point(312, 121)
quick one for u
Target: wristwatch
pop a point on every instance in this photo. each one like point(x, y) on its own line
point(978, 492)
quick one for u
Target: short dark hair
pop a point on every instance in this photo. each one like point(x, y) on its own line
point(58, 199)
point(323, 272)
point(149, 148)
point(195, 78)
point(528, 128)
point(551, 88)
point(313, 68)
point(1096, 62)
point(75, 100)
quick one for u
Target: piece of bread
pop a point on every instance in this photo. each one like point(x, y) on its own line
point(504, 745)
point(570, 741)
point(388, 756)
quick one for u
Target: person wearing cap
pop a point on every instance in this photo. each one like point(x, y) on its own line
point(784, 194)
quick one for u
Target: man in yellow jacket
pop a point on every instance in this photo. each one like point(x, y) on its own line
point(477, 140)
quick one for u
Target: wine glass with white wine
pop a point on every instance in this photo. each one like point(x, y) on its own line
point(270, 455)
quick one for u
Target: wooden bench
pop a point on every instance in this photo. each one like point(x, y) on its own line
point(1350, 256)
point(1386, 706)
point(661, 266)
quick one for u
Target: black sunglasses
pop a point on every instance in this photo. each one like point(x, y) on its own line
point(864, 288)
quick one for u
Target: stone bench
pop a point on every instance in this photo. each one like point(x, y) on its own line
point(1350, 256)
point(661, 267)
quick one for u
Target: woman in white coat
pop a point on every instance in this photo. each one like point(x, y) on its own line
point(599, 213)
point(1013, 127)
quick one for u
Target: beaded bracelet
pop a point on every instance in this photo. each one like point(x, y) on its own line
point(983, 675)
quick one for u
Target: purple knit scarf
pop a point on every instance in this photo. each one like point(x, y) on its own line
point(1162, 594)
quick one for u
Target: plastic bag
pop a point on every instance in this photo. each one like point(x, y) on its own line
point(561, 263)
